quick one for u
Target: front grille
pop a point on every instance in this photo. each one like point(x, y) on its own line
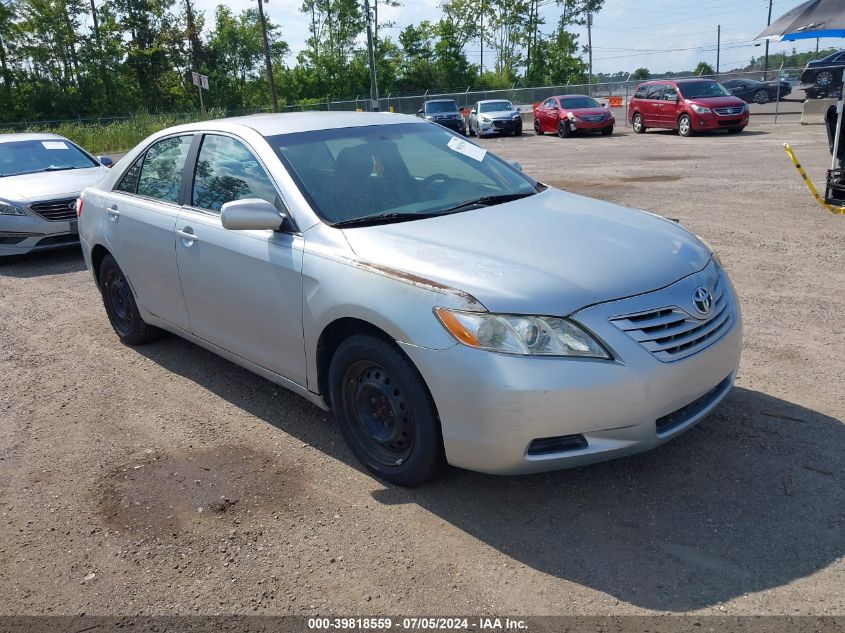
point(731, 123)
point(688, 412)
point(56, 210)
point(595, 118)
point(671, 333)
point(729, 111)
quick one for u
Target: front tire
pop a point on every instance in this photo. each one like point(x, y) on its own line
point(564, 130)
point(537, 129)
point(119, 301)
point(761, 97)
point(736, 130)
point(685, 125)
point(607, 131)
point(637, 123)
point(385, 411)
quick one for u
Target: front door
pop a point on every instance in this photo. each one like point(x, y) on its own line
point(669, 111)
point(243, 289)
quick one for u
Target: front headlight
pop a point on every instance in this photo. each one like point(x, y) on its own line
point(7, 208)
point(485, 119)
point(700, 109)
point(518, 334)
point(428, 117)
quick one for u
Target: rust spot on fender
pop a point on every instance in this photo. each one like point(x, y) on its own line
point(421, 282)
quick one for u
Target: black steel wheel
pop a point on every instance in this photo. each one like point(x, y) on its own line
point(385, 411)
point(120, 305)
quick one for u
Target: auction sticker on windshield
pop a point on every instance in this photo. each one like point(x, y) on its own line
point(467, 149)
point(54, 145)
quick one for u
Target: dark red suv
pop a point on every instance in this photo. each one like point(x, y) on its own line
point(686, 105)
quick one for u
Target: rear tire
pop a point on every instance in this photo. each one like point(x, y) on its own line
point(119, 301)
point(637, 123)
point(385, 411)
point(761, 97)
point(685, 125)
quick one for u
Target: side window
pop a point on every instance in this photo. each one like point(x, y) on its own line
point(655, 91)
point(547, 103)
point(641, 92)
point(161, 171)
point(670, 94)
point(129, 182)
point(226, 171)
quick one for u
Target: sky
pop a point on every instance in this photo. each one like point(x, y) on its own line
point(661, 35)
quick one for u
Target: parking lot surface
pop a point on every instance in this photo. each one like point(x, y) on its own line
point(165, 480)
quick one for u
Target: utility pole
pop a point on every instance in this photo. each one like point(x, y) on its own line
point(96, 23)
point(372, 56)
point(590, 49)
point(267, 62)
point(481, 37)
point(766, 63)
point(718, 45)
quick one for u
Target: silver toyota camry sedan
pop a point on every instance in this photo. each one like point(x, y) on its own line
point(445, 306)
point(41, 176)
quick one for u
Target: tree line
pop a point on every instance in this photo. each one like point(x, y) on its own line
point(63, 59)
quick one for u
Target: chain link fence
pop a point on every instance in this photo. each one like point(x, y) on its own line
point(779, 97)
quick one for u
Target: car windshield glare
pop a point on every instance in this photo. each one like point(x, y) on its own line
point(703, 89)
point(495, 106)
point(405, 170)
point(34, 156)
point(438, 107)
point(575, 103)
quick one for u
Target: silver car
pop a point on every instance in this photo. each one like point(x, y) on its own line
point(41, 176)
point(494, 116)
point(444, 305)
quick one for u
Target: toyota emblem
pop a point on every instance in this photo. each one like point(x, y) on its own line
point(702, 300)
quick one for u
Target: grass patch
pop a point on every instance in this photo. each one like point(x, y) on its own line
point(100, 137)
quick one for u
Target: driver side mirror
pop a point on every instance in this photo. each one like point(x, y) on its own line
point(420, 112)
point(251, 214)
point(515, 164)
point(473, 111)
point(106, 161)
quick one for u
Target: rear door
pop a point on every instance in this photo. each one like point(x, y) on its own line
point(142, 211)
point(243, 289)
point(652, 105)
point(669, 109)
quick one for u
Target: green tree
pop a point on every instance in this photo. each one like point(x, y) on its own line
point(703, 68)
point(641, 73)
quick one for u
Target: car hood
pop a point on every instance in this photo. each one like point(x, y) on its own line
point(718, 102)
point(501, 114)
point(590, 111)
point(552, 253)
point(47, 185)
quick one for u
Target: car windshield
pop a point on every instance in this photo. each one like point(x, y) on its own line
point(32, 157)
point(388, 173)
point(574, 103)
point(703, 89)
point(437, 107)
point(495, 106)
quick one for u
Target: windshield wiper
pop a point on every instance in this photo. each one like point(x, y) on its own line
point(382, 218)
point(51, 168)
point(486, 201)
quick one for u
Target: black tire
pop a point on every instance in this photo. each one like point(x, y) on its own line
point(637, 123)
point(385, 411)
point(564, 130)
point(537, 129)
point(470, 131)
point(607, 131)
point(121, 308)
point(736, 130)
point(685, 125)
point(518, 131)
point(761, 97)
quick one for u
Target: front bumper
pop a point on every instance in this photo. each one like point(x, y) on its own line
point(500, 126)
point(593, 126)
point(25, 234)
point(456, 125)
point(493, 406)
point(713, 121)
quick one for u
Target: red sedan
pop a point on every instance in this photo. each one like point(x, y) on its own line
point(570, 114)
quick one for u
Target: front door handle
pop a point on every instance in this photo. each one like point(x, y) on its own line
point(113, 213)
point(188, 238)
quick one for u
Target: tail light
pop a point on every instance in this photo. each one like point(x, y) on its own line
point(79, 203)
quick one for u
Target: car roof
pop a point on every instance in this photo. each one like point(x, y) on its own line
point(29, 136)
point(565, 96)
point(440, 101)
point(292, 122)
point(494, 100)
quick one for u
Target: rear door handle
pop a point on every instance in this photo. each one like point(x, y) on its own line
point(185, 235)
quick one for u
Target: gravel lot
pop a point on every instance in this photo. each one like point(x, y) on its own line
point(165, 480)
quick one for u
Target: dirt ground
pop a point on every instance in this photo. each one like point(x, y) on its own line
point(165, 480)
